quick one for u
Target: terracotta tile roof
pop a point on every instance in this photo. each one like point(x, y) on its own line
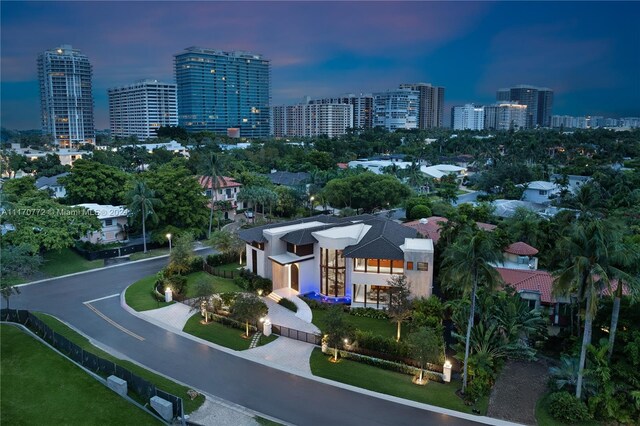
point(223, 182)
point(431, 229)
point(343, 165)
point(521, 249)
point(536, 281)
point(542, 282)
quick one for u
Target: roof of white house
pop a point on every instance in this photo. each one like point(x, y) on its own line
point(417, 244)
point(105, 211)
point(440, 170)
point(376, 166)
point(541, 185)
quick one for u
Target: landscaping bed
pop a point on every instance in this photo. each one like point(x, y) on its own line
point(41, 387)
point(140, 295)
point(220, 334)
point(391, 383)
point(382, 327)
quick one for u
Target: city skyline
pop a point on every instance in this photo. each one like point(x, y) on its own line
point(583, 51)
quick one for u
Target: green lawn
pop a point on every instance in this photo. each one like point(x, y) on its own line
point(222, 335)
point(67, 261)
point(139, 295)
point(230, 267)
point(150, 253)
point(390, 382)
point(160, 382)
point(378, 326)
point(39, 387)
point(220, 285)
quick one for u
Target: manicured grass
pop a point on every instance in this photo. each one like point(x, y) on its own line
point(231, 267)
point(388, 382)
point(67, 261)
point(40, 387)
point(265, 422)
point(149, 254)
point(139, 295)
point(160, 382)
point(222, 335)
point(378, 326)
point(220, 285)
point(217, 333)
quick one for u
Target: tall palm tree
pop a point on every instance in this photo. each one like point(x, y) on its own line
point(215, 173)
point(142, 201)
point(588, 247)
point(468, 263)
point(628, 259)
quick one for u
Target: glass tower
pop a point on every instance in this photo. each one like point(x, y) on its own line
point(219, 91)
point(66, 101)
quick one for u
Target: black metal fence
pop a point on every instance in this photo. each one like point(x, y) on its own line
point(291, 333)
point(141, 387)
point(113, 252)
point(218, 272)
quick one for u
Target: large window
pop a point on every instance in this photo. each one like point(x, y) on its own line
point(378, 266)
point(332, 272)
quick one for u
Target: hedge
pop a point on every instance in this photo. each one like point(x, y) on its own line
point(389, 365)
point(220, 259)
point(288, 304)
point(230, 322)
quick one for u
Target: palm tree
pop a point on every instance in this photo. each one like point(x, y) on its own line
point(215, 172)
point(628, 258)
point(142, 200)
point(467, 263)
point(588, 247)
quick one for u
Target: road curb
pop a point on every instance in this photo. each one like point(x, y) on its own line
point(390, 398)
point(100, 269)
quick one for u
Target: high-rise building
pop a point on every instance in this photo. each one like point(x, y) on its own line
point(312, 119)
point(139, 109)
point(505, 116)
point(396, 109)
point(569, 122)
point(66, 101)
point(539, 102)
point(430, 104)
point(220, 90)
point(468, 117)
point(362, 107)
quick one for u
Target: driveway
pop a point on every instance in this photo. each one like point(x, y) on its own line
point(290, 397)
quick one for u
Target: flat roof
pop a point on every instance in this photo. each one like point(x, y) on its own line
point(289, 228)
point(418, 244)
point(287, 258)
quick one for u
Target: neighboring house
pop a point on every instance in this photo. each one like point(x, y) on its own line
point(51, 184)
point(430, 227)
point(540, 192)
point(439, 170)
point(344, 258)
point(173, 146)
point(378, 164)
point(292, 180)
point(520, 255)
point(113, 220)
point(574, 182)
point(507, 208)
point(67, 156)
point(226, 189)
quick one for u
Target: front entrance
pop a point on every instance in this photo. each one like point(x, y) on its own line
point(294, 276)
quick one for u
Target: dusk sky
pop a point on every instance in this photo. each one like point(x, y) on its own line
point(588, 52)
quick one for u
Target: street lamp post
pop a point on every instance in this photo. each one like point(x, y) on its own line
point(169, 238)
point(311, 206)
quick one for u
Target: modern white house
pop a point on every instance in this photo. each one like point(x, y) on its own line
point(342, 259)
point(113, 220)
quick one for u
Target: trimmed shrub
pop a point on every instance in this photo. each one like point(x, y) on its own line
point(567, 408)
point(375, 342)
point(196, 264)
point(369, 313)
point(288, 304)
point(390, 365)
point(251, 282)
point(229, 322)
point(221, 259)
point(419, 212)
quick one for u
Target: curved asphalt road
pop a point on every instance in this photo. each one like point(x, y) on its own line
point(286, 396)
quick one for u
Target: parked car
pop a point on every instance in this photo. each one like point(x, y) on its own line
point(249, 214)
